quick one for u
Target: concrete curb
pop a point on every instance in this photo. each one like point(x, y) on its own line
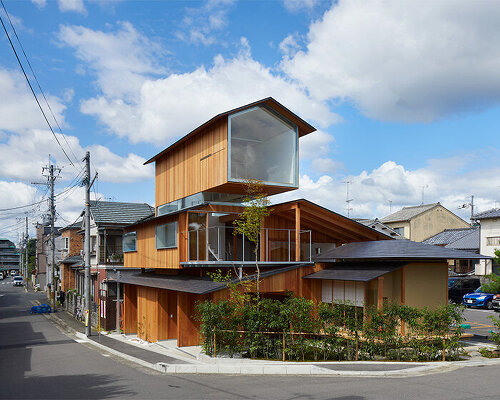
point(229, 367)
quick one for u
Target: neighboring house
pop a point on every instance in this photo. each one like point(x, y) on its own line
point(9, 256)
point(418, 223)
point(489, 222)
point(303, 248)
point(72, 238)
point(107, 222)
point(466, 239)
point(379, 226)
point(43, 258)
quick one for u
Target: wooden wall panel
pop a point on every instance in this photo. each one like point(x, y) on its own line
point(187, 326)
point(147, 313)
point(197, 165)
point(147, 256)
point(130, 309)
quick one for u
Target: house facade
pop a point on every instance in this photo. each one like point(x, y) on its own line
point(200, 191)
point(418, 223)
point(43, 258)
point(9, 256)
point(489, 232)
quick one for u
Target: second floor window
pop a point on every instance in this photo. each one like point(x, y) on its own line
point(129, 242)
point(493, 241)
point(166, 236)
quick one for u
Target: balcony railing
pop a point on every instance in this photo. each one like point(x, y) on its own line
point(220, 244)
point(111, 255)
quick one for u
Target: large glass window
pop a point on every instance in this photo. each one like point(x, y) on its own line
point(166, 236)
point(263, 146)
point(129, 242)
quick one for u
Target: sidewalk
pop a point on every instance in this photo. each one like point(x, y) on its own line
point(167, 358)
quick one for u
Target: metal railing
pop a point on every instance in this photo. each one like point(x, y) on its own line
point(219, 243)
point(111, 254)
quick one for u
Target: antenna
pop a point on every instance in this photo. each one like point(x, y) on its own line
point(390, 206)
point(423, 191)
point(347, 199)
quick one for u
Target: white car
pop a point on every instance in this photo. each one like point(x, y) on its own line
point(17, 281)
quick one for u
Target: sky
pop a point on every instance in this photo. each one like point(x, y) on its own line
point(405, 96)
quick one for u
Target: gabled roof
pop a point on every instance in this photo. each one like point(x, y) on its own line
point(469, 242)
point(490, 214)
point(116, 213)
point(74, 226)
point(448, 236)
point(73, 260)
point(303, 126)
point(408, 213)
point(379, 226)
point(394, 250)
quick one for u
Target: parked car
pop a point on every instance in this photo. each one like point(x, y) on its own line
point(17, 281)
point(478, 298)
point(460, 286)
point(496, 302)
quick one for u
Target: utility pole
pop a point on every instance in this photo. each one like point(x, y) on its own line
point(347, 199)
point(49, 173)
point(88, 325)
point(26, 256)
point(118, 295)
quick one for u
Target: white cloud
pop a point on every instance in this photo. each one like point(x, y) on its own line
point(72, 5)
point(202, 25)
point(316, 144)
point(404, 60)
point(39, 3)
point(18, 110)
point(297, 5)
point(449, 181)
point(167, 108)
point(121, 60)
point(289, 46)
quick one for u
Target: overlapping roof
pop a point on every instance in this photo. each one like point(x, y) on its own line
point(116, 213)
point(493, 213)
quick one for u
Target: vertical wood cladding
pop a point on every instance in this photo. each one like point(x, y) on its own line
point(196, 165)
point(130, 309)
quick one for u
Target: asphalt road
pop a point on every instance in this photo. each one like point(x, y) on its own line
point(39, 361)
point(479, 321)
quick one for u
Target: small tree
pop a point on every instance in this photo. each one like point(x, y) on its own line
point(250, 220)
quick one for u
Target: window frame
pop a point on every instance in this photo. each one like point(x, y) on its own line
point(296, 144)
point(490, 239)
point(123, 238)
point(176, 235)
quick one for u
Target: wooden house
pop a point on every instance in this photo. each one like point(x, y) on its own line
point(200, 186)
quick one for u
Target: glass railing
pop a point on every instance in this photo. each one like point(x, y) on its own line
point(220, 243)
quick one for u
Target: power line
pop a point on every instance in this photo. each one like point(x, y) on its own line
point(33, 91)
point(36, 79)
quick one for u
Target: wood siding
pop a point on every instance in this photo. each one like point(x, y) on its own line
point(147, 256)
point(197, 165)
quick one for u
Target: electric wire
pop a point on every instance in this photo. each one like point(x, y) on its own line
point(33, 91)
point(36, 79)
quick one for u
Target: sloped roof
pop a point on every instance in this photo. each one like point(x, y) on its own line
point(304, 127)
point(73, 260)
point(116, 213)
point(379, 226)
point(356, 271)
point(394, 250)
point(448, 236)
point(493, 213)
point(470, 241)
point(407, 213)
point(74, 225)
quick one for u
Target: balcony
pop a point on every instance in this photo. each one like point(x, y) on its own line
point(111, 255)
point(219, 245)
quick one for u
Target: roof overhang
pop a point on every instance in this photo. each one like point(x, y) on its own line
point(356, 271)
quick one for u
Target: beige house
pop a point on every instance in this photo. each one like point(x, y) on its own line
point(418, 223)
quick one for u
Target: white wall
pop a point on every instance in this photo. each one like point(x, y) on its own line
point(489, 227)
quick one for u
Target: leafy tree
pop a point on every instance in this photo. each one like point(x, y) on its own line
point(496, 259)
point(31, 255)
point(250, 220)
point(493, 284)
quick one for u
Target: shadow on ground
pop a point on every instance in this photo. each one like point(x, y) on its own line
point(89, 386)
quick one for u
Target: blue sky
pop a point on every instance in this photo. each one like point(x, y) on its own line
point(405, 95)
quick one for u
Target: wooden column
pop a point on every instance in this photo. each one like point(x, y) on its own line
point(403, 295)
point(380, 292)
point(263, 243)
point(297, 233)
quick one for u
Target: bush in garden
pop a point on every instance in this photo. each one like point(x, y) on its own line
point(259, 328)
